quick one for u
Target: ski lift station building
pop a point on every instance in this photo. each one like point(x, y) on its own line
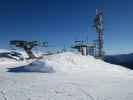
point(85, 48)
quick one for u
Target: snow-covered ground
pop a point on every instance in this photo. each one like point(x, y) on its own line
point(75, 77)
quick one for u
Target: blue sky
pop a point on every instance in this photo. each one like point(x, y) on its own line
point(60, 22)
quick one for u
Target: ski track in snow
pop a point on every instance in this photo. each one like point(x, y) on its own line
point(70, 89)
point(97, 81)
point(65, 90)
point(49, 88)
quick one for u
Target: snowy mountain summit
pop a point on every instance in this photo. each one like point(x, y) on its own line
point(73, 77)
point(72, 62)
point(69, 62)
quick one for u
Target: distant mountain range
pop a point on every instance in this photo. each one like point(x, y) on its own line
point(121, 59)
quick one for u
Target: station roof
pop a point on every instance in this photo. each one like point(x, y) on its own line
point(78, 44)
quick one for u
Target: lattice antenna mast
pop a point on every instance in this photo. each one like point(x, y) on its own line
point(98, 23)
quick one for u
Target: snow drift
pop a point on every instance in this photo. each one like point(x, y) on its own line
point(72, 62)
point(99, 80)
point(36, 66)
point(69, 62)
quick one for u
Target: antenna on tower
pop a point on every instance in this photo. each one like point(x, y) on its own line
point(98, 24)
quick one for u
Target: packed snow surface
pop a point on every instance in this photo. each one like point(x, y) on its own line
point(74, 77)
point(71, 62)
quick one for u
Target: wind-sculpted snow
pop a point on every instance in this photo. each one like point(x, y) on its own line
point(36, 66)
point(75, 77)
point(71, 62)
point(68, 62)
